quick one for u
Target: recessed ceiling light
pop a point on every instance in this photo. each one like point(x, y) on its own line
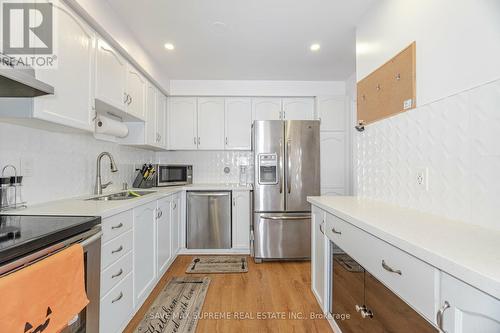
point(315, 47)
point(169, 46)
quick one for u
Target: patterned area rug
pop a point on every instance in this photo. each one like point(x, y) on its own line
point(218, 264)
point(177, 308)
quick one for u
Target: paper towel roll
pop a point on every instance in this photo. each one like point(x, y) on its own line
point(108, 126)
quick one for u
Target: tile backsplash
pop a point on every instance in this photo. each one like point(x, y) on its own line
point(63, 164)
point(208, 166)
point(455, 140)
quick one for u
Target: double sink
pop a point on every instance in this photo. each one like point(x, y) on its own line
point(125, 195)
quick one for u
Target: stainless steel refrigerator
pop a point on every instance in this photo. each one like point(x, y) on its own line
point(287, 171)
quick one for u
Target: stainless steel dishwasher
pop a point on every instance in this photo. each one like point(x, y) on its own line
point(208, 220)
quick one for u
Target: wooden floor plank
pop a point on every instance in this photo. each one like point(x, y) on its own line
point(269, 290)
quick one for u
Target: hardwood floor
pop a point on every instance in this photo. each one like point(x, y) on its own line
point(271, 297)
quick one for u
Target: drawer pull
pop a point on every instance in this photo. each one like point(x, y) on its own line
point(390, 269)
point(336, 232)
point(118, 298)
point(321, 227)
point(439, 316)
point(117, 274)
point(117, 250)
point(118, 226)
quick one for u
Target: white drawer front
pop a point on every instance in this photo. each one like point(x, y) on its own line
point(115, 273)
point(116, 225)
point(371, 251)
point(116, 248)
point(117, 306)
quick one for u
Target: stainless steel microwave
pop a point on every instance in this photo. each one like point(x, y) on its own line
point(173, 175)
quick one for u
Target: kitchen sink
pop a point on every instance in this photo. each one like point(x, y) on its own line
point(126, 195)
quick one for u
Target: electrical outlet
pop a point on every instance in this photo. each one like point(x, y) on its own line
point(27, 167)
point(422, 178)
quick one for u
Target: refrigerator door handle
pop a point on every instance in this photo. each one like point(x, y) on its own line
point(283, 218)
point(289, 166)
point(281, 167)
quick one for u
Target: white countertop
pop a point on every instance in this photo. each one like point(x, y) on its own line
point(79, 206)
point(470, 253)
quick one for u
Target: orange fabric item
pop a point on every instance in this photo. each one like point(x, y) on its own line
point(44, 296)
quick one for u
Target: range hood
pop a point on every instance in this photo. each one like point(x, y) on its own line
point(17, 82)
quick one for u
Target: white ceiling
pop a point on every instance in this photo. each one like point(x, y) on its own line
point(259, 40)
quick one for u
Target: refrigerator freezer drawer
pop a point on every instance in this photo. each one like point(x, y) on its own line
point(209, 220)
point(282, 236)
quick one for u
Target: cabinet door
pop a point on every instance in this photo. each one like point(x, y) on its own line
point(136, 90)
point(144, 251)
point(333, 160)
point(211, 123)
point(296, 108)
point(182, 123)
point(470, 310)
point(176, 224)
point(73, 99)
point(161, 115)
point(151, 100)
point(163, 235)
point(111, 72)
point(238, 124)
point(318, 267)
point(332, 112)
point(266, 108)
point(241, 219)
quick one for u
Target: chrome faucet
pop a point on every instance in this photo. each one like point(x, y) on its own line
point(99, 186)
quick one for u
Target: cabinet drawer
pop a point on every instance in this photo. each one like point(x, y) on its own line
point(116, 225)
point(115, 273)
point(117, 306)
point(379, 258)
point(116, 248)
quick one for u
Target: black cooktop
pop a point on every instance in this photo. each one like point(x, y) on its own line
point(24, 234)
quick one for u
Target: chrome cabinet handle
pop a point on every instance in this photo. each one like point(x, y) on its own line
point(117, 274)
point(117, 250)
point(440, 316)
point(390, 269)
point(161, 213)
point(289, 166)
point(130, 100)
point(322, 228)
point(195, 140)
point(336, 232)
point(226, 141)
point(118, 226)
point(118, 298)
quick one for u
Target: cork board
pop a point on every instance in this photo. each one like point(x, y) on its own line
point(390, 89)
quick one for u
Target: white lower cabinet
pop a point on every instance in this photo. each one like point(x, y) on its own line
point(144, 251)
point(163, 235)
point(241, 220)
point(465, 309)
point(176, 223)
point(117, 307)
point(319, 257)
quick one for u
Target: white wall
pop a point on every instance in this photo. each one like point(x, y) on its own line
point(458, 42)
point(256, 88)
point(208, 166)
point(453, 131)
point(102, 17)
point(63, 165)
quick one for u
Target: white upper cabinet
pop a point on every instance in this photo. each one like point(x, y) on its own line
point(332, 112)
point(266, 108)
point(468, 310)
point(211, 123)
point(182, 123)
point(73, 81)
point(111, 73)
point(238, 123)
point(136, 93)
point(161, 120)
point(151, 100)
point(333, 160)
point(297, 108)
